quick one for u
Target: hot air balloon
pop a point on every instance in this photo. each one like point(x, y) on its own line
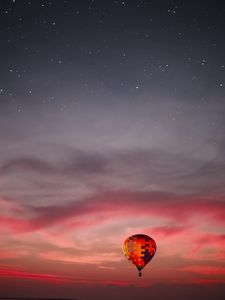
point(139, 249)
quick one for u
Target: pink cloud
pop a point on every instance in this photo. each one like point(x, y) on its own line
point(126, 205)
point(13, 224)
point(204, 281)
point(115, 282)
point(56, 279)
point(93, 259)
point(9, 206)
point(6, 254)
point(9, 273)
point(205, 270)
point(113, 205)
point(179, 233)
point(166, 231)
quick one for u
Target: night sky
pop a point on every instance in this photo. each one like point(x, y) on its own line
point(112, 123)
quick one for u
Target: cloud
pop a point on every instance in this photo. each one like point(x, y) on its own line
point(14, 224)
point(9, 254)
point(84, 258)
point(14, 273)
point(79, 162)
point(167, 231)
point(208, 246)
point(137, 169)
point(27, 164)
point(205, 270)
point(121, 204)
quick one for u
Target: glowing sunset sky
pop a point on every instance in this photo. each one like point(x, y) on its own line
point(112, 122)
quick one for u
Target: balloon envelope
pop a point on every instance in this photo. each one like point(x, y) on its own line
point(139, 249)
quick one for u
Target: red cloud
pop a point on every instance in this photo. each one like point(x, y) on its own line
point(34, 276)
point(166, 231)
point(56, 279)
point(205, 270)
point(14, 224)
point(215, 243)
point(113, 205)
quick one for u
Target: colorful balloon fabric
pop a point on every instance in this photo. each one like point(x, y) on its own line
point(139, 249)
